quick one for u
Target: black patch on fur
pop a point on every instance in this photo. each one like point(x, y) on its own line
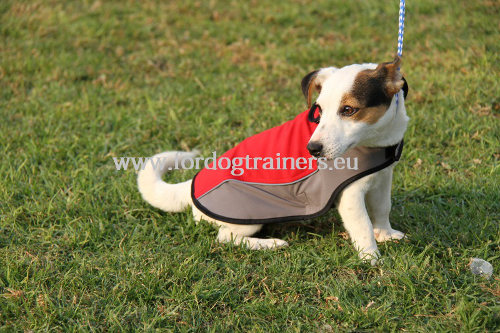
point(369, 86)
point(405, 88)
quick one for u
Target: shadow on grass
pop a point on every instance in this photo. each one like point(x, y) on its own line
point(453, 216)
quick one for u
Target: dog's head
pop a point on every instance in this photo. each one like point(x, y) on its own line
point(354, 103)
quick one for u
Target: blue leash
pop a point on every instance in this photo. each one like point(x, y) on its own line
point(401, 27)
point(401, 32)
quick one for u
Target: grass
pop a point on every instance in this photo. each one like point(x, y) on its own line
point(84, 81)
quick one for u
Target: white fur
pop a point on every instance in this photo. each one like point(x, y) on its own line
point(167, 197)
point(337, 134)
point(176, 197)
point(364, 205)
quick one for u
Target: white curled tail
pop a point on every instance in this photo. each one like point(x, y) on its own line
point(167, 197)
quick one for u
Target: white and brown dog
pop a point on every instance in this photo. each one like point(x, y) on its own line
point(358, 108)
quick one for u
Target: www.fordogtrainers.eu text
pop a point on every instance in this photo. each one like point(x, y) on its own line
point(238, 165)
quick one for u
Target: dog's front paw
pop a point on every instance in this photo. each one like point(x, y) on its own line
point(369, 255)
point(384, 235)
point(260, 243)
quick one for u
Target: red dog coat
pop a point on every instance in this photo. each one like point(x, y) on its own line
point(271, 177)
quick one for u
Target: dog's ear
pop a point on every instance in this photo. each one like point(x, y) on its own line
point(393, 80)
point(307, 84)
point(314, 80)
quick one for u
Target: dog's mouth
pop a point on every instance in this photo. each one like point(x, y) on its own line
point(331, 155)
point(349, 146)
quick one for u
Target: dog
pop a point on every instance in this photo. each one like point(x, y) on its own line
point(360, 105)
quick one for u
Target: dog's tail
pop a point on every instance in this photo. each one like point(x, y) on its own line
point(167, 197)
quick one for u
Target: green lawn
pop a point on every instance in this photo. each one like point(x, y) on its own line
point(84, 81)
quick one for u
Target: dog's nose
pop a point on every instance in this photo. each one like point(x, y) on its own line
point(315, 148)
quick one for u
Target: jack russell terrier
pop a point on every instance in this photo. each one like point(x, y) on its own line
point(359, 114)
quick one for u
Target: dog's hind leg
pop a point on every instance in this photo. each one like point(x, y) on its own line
point(378, 204)
point(240, 234)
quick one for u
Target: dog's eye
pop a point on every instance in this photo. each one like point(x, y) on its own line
point(347, 111)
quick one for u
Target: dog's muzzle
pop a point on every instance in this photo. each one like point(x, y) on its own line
point(315, 148)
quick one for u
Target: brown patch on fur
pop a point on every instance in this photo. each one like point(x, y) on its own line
point(379, 85)
point(394, 80)
point(306, 83)
point(373, 90)
point(309, 94)
point(369, 115)
point(312, 85)
point(309, 82)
